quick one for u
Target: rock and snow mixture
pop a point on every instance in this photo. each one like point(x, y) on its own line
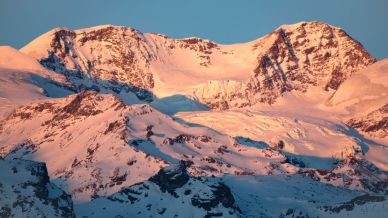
point(111, 122)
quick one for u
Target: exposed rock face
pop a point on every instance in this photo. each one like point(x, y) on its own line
point(25, 191)
point(353, 173)
point(124, 63)
point(121, 59)
point(169, 179)
point(221, 195)
point(113, 58)
point(375, 123)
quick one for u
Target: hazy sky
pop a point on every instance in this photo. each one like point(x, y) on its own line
point(223, 21)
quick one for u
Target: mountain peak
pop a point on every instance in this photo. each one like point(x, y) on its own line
point(294, 26)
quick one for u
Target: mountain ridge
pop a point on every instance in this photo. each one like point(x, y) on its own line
point(284, 60)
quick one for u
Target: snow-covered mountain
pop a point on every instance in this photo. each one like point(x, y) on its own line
point(133, 124)
point(102, 145)
point(122, 60)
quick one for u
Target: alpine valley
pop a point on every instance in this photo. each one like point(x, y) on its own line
point(111, 122)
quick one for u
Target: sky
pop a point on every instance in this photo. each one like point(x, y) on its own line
point(222, 21)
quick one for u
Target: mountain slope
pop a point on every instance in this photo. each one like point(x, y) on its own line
point(82, 139)
point(317, 123)
point(94, 144)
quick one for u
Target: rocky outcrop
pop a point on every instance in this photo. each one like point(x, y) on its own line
point(353, 173)
point(221, 194)
point(170, 178)
point(375, 123)
point(359, 200)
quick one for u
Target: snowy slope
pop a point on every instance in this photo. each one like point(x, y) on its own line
point(375, 123)
point(24, 80)
point(25, 191)
point(315, 142)
point(315, 134)
point(173, 192)
point(364, 92)
point(363, 100)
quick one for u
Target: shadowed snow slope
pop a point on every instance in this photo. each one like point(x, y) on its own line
point(25, 191)
point(173, 192)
